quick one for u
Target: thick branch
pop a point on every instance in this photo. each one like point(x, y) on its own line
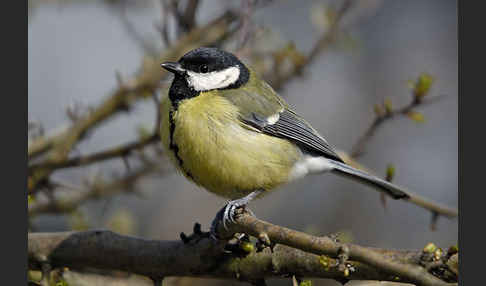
point(396, 264)
point(204, 257)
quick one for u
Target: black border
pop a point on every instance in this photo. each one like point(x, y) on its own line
point(13, 210)
point(471, 142)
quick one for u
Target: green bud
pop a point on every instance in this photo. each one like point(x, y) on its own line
point(416, 116)
point(346, 272)
point(438, 253)
point(430, 247)
point(390, 172)
point(247, 246)
point(61, 283)
point(423, 85)
point(388, 105)
point(453, 250)
point(325, 261)
point(306, 283)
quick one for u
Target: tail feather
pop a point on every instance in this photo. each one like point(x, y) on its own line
point(393, 190)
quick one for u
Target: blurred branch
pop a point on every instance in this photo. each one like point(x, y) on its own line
point(163, 27)
point(277, 80)
point(142, 86)
point(40, 144)
point(185, 18)
point(189, 16)
point(132, 31)
point(97, 190)
point(296, 254)
point(245, 23)
point(114, 152)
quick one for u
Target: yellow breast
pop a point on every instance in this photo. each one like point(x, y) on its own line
point(219, 154)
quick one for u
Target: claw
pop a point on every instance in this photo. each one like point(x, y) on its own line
point(228, 213)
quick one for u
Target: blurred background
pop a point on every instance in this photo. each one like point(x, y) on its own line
point(76, 48)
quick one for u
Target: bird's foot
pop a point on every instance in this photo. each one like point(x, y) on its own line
point(227, 214)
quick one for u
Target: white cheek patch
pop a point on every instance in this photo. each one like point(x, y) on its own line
point(310, 165)
point(213, 80)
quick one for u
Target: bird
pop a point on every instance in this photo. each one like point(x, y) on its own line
point(229, 132)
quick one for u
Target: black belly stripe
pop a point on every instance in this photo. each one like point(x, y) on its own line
point(173, 146)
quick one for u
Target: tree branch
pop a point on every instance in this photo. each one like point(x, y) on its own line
point(415, 199)
point(110, 153)
point(185, 18)
point(384, 116)
point(97, 190)
point(384, 260)
point(146, 46)
point(296, 254)
point(279, 80)
point(385, 112)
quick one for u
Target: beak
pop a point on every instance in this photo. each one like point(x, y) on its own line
point(173, 67)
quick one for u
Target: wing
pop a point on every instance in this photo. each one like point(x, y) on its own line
point(262, 110)
point(291, 126)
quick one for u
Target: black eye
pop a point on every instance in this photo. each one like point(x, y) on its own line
point(203, 68)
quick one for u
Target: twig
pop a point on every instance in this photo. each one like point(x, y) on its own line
point(118, 151)
point(420, 201)
point(132, 31)
point(245, 23)
point(164, 26)
point(359, 147)
point(385, 114)
point(186, 20)
point(97, 190)
point(41, 144)
point(189, 16)
point(321, 45)
point(110, 153)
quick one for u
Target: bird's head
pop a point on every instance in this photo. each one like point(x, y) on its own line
point(205, 69)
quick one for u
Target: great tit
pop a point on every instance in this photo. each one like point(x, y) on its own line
point(231, 133)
